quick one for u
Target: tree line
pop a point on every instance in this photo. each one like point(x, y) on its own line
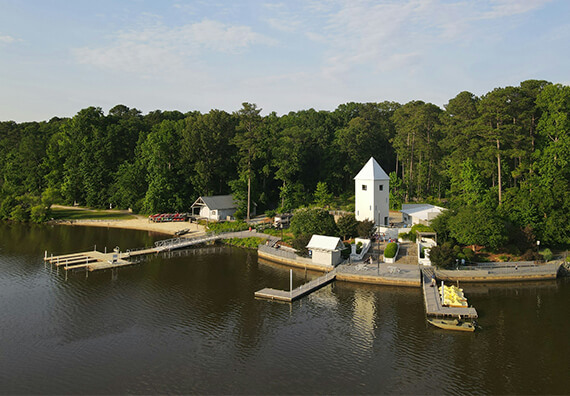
point(504, 154)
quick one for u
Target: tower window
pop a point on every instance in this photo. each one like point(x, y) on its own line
point(381, 187)
point(364, 187)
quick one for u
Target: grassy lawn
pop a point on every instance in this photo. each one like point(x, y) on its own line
point(89, 214)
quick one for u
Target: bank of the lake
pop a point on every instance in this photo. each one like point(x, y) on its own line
point(188, 323)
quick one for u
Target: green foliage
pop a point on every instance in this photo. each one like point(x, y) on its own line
point(477, 226)
point(443, 256)
point(391, 249)
point(228, 226)
point(300, 243)
point(506, 152)
point(347, 226)
point(248, 242)
point(307, 221)
point(546, 254)
point(396, 191)
point(323, 197)
point(39, 214)
point(365, 228)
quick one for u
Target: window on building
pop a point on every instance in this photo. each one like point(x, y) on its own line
point(381, 187)
point(364, 187)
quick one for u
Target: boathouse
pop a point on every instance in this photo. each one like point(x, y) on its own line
point(216, 207)
point(325, 250)
point(372, 194)
point(420, 213)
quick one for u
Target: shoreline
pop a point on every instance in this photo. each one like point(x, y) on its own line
point(140, 223)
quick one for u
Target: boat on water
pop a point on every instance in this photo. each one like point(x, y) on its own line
point(453, 324)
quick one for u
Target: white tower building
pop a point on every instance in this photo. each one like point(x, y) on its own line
point(372, 194)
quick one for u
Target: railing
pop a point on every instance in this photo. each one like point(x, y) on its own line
point(277, 252)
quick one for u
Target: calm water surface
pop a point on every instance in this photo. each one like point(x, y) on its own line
point(190, 324)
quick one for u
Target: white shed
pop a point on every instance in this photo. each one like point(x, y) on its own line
point(325, 250)
point(217, 207)
point(372, 194)
point(420, 213)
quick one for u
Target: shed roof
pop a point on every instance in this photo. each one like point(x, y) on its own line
point(422, 211)
point(325, 243)
point(216, 202)
point(372, 171)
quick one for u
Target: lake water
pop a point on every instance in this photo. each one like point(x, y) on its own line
point(190, 324)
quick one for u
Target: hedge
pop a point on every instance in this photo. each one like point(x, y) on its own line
point(391, 250)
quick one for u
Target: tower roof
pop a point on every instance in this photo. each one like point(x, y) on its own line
point(372, 171)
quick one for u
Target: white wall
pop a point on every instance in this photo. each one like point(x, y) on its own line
point(324, 257)
point(372, 203)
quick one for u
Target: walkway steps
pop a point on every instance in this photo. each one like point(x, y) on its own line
point(433, 304)
point(303, 290)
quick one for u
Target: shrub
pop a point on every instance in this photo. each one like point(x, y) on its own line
point(229, 226)
point(468, 253)
point(443, 256)
point(300, 244)
point(313, 221)
point(345, 253)
point(347, 226)
point(391, 249)
point(270, 213)
point(504, 258)
point(365, 228)
point(546, 254)
point(412, 235)
point(531, 255)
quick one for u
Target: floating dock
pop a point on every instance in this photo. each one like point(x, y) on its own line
point(294, 294)
point(433, 305)
point(95, 260)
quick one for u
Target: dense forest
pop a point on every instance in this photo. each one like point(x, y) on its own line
point(504, 156)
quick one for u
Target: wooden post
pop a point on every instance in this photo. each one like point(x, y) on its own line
point(291, 281)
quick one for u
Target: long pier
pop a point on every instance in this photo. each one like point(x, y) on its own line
point(95, 260)
point(294, 294)
point(433, 303)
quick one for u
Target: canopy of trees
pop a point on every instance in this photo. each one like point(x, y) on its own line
point(505, 155)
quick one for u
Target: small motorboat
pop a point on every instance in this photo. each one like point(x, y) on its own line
point(182, 232)
point(452, 324)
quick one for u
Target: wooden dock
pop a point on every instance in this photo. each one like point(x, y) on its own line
point(95, 260)
point(303, 290)
point(433, 304)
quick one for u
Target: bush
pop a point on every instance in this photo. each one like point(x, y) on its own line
point(443, 256)
point(531, 255)
point(404, 236)
point(347, 226)
point(270, 213)
point(229, 226)
point(412, 235)
point(546, 254)
point(300, 244)
point(345, 253)
point(249, 242)
point(391, 249)
point(468, 253)
point(313, 222)
point(365, 228)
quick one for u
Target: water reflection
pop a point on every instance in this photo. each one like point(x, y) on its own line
point(188, 323)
